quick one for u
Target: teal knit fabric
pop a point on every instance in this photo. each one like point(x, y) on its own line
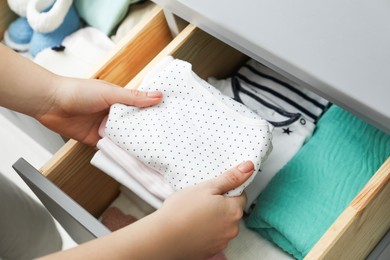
point(104, 15)
point(309, 193)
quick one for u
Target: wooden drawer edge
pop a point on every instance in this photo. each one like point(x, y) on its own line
point(201, 50)
point(361, 225)
point(135, 50)
point(173, 45)
point(56, 158)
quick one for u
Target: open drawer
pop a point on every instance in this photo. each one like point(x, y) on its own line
point(352, 236)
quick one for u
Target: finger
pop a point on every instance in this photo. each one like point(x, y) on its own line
point(232, 178)
point(242, 200)
point(133, 97)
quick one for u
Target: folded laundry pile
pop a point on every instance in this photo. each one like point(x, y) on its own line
point(196, 133)
point(292, 110)
point(316, 185)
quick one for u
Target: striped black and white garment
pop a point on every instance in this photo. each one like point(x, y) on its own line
point(258, 81)
point(290, 108)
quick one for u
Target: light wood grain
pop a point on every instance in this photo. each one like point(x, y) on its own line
point(208, 55)
point(70, 167)
point(361, 225)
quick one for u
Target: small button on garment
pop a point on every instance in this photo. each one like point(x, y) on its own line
point(196, 133)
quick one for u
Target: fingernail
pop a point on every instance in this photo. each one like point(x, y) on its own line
point(246, 166)
point(154, 94)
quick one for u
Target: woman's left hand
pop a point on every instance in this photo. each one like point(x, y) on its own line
point(78, 106)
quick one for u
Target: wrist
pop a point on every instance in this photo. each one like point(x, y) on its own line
point(49, 98)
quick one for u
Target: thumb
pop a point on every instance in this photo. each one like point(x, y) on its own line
point(232, 178)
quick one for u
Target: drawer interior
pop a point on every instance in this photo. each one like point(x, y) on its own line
point(352, 235)
point(362, 224)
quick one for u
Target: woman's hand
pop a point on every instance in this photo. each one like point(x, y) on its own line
point(200, 220)
point(71, 107)
point(195, 223)
point(78, 106)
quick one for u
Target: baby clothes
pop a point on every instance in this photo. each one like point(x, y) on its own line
point(114, 219)
point(111, 168)
point(149, 178)
point(273, 101)
point(195, 134)
point(128, 170)
point(258, 80)
point(83, 50)
point(308, 194)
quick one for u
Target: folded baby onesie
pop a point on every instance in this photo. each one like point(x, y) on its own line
point(104, 163)
point(274, 97)
point(308, 194)
point(149, 178)
point(195, 134)
point(144, 181)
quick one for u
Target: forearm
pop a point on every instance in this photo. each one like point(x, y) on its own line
point(25, 87)
point(148, 238)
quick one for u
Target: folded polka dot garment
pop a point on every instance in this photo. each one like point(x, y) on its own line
point(195, 134)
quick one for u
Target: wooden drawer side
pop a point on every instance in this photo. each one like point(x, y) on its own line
point(73, 173)
point(361, 225)
point(208, 55)
point(136, 50)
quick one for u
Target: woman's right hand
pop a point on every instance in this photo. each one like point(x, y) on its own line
point(200, 219)
point(194, 223)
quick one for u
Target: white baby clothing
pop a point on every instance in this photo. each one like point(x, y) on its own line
point(149, 178)
point(107, 165)
point(292, 127)
point(196, 133)
point(144, 181)
point(83, 49)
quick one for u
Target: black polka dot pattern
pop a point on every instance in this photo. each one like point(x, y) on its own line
point(196, 133)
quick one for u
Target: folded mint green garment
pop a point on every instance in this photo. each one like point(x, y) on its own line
point(104, 15)
point(317, 184)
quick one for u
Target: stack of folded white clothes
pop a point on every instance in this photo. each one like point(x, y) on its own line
point(195, 134)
